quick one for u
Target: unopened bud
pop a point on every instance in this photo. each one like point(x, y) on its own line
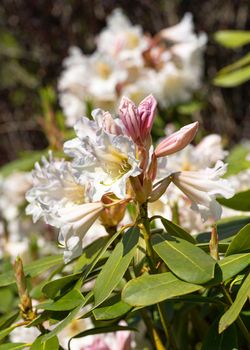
point(177, 141)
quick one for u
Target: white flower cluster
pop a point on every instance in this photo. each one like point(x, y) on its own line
point(114, 162)
point(131, 63)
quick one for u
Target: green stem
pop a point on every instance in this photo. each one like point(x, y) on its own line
point(152, 330)
point(145, 227)
point(239, 321)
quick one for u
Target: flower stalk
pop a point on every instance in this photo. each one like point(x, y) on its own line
point(145, 228)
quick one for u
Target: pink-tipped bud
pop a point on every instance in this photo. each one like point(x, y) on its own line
point(129, 117)
point(138, 121)
point(177, 141)
point(147, 109)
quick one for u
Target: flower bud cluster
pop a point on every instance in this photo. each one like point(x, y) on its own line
point(114, 162)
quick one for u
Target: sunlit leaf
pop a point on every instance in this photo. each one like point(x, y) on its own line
point(116, 265)
point(240, 201)
point(152, 289)
point(241, 242)
point(232, 38)
point(233, 312)
point(184, 259)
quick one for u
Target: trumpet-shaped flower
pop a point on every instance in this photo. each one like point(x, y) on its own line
point(62, 202)
point(202, 188)
point(177, 141)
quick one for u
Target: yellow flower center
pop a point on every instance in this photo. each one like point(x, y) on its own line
point(103, 70)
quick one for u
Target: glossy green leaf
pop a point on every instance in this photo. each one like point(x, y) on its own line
point(71, 316)
point(241, 242)
point(233, 264)
point(13, 346)
point(52, 288)
point(116, 265)
point(90, 253)
point(49, 344)
point(232, 38)
point(111, 308)
point(101, 254)
point(177, 231)
point(234, 78)
point(241, 201)
point(152, 289)
point(184, 259)
point(225, 341)
point(67, 302)
point(233, 312)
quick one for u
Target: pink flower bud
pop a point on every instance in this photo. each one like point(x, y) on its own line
point(147, 109)
point(138, 121)
point(130, 119)
point(177, 141)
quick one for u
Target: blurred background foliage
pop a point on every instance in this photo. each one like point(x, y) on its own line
point(35, 37)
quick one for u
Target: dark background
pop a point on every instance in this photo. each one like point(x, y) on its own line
point(35, 37)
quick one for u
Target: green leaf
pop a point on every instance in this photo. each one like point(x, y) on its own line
point(241, 242)
point(39, 266)
point(7, 278)
point(184, 259)
point(216, 341)
point(49, 344)
point(190, 108)
point(234, 78)
point(52, 288)
point(71, 316)
point(177, 231)
point(116, 265)
point(233, 312)
point(237, 64)
point(226, 230)
point(101, 254)
point(6, 300)
point(237, 160)
point(13, 346)
point(6, 331)
point(233, 264)
point(232, 38)
point(240, 201)
point(111, 308)
point(90, 253)
point(8, 318)
point(152, 289)
point(67, 302)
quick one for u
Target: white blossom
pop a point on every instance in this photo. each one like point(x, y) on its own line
point(202, 188)
point(108, 159)
point(64, 203)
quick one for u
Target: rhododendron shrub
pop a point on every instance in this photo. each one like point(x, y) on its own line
point(133, 252)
